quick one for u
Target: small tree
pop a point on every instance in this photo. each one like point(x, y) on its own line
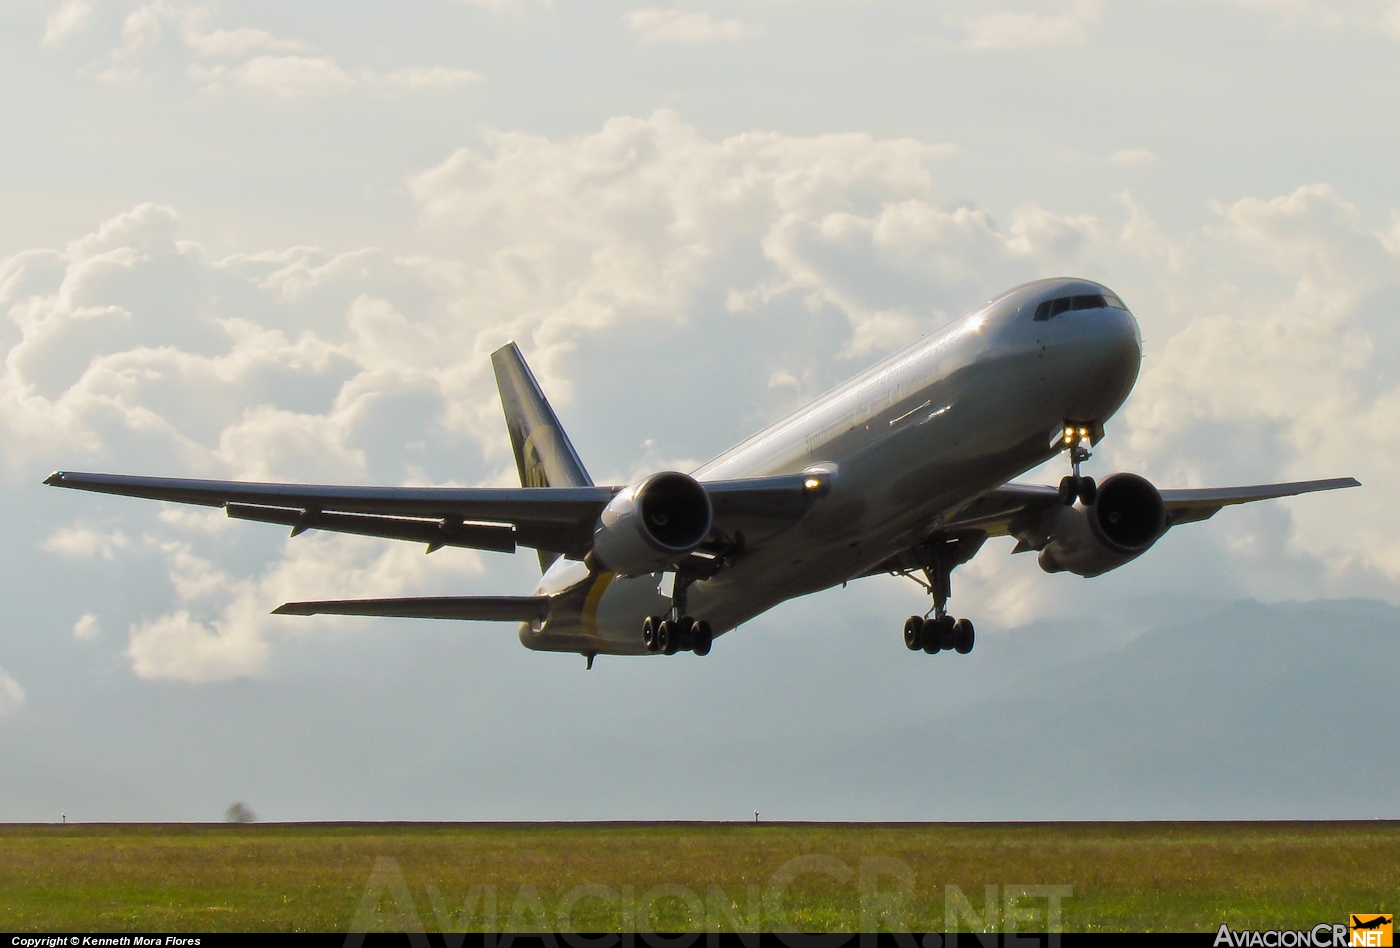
point(238, 813)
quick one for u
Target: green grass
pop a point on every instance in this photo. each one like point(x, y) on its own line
point(1125, 876)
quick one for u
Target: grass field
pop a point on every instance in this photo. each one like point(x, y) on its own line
point(669, 876)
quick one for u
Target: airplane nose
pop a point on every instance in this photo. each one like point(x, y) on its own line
point(1100, 358)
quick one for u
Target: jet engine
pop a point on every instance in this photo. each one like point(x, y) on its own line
point(1124, 520)
point(650, 526)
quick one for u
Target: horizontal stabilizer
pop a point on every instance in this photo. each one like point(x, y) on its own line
point(482, 608)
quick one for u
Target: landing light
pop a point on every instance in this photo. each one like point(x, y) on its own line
point(811, 483)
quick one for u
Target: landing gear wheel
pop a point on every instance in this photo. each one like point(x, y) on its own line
point(668, 637)
point(1088, 491)
point(963, 636)
point(1069, 489)
point(914, 633)
point(936, 632)
point(947, 625)
point(700, 637)
point(649, 633)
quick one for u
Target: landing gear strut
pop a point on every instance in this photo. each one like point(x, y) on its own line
point(936, 631)
point(676, 631)
point(1078, 439)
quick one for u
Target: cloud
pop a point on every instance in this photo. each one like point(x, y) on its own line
point(240, 42)
point(235, 638)
point(1375, 16)
point(428, 77)
point(1267, 336)
point(1133, 157)
point(222, 59)
point(1029, 30)
point(284, 77)
point(501, 5)
point(67, 19)
point(654, 24)
point(1307, 357)
point(633, 219)
point(300, 77)
point(85, 543)
point(87, 628)
point(11, 695)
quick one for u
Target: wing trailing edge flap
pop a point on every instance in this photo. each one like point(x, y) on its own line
point(480, 608)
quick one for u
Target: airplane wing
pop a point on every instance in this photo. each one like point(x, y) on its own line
point(1007, 510)
point(486, 608)
point(1020, 510)
point(1192, 504)
point(554, 519)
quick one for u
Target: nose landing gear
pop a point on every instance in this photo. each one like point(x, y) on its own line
point(1079, 438)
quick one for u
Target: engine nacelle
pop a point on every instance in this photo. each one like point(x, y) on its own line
point(1125, 519)
point(651, 525)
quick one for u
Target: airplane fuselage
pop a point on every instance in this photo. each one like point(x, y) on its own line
point(952, 416)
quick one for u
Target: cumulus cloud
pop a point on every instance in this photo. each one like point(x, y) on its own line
point(67, 19)
point(87, 628)
point(654, 24)
point(132, 345)
point(223, 59)
point(1307, 358)
point(86, 543)
point(428, 77)
point(1133, 157)
point(1067, 23)
point(285, 77)
point(500, 5)
point(11, 695)
point(1375, 16)
point(222, 627)
point(299, 77)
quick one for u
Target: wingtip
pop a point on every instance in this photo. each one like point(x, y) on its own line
point(292, 609)
point(55, 479)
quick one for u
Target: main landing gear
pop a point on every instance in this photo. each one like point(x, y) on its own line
point(937, 631)
point(677, 632)
point(1078, 439)
point(669, 636)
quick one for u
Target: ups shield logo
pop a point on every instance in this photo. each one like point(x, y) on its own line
point(1372, 931)
point(535, 463)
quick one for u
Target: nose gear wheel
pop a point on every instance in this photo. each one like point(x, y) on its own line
point(1078, 439)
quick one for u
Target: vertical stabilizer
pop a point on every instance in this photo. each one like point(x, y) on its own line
point(543, 454)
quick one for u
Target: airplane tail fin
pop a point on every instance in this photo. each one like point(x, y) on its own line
point(543, 454)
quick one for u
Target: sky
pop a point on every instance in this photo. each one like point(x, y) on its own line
point(279, 241)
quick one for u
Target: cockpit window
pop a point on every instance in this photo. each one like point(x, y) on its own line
point(1052, 308)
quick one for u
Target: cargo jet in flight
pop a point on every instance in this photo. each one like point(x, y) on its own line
point(905, 469)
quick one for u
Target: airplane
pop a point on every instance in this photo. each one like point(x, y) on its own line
point(905, 469)
point(1376, 921)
